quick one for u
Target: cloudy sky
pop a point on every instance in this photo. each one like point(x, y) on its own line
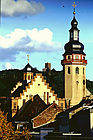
point(40, 28)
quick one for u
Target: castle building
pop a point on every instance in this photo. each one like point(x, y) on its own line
point(74, 66)
point(47, 67)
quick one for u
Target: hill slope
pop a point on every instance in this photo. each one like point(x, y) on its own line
point(9, 78)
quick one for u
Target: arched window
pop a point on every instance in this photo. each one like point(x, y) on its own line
point(68, 70)
point(77, 70)
point(83, 71)
point(69, 57)
point(28, 77)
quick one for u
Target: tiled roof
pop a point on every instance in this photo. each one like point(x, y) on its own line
point(30, 109)
point(47, 116)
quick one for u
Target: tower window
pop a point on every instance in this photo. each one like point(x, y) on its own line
point(68, 70)
point(83, 82)
point(77, 70)
point(83, 71)
point(68, 57)
point(77, 57)
point(28, 77)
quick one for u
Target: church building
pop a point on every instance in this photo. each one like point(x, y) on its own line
point(74, 66)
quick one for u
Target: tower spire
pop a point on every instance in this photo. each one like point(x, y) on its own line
point(28, 58)
point(74, 5)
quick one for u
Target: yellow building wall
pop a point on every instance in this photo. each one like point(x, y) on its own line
point(14, 103)
point(75, 90)
point(38, 87)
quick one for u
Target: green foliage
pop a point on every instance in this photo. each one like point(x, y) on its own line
point(7, 130)
point(55, 80)
point(8, 80)
point(89, 85)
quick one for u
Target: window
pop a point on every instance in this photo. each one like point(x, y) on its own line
point(83, 71)
point(77, 70)
point(68, 57)
point(15, 105)
point(77, 57)
point(83, 82)
point(47, 97)
point(26, 95)
point(68, 70)
point(30, 97)
point(61, 105)
point(38, 84)
point(84, 57)
point(24, 101)
point(28, 77)
point(75, 35)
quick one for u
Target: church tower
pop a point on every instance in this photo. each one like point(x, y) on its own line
point(27, 74)
point(74, 66)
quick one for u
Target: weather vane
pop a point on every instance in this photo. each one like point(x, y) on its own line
point(28, 58)
point(74, 5)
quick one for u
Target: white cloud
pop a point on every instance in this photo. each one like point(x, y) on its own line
point(19, 7)
point(27, 41)
point(7, 66)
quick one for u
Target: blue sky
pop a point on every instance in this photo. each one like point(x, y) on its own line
point(40, 28)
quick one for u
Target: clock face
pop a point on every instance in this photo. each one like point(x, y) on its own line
point(28, 69)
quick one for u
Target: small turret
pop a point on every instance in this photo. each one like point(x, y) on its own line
point(27, 74)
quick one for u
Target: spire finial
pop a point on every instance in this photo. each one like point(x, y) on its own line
point(74, 5)
point(28, 57)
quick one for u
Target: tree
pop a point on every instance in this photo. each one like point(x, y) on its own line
point(7, 130)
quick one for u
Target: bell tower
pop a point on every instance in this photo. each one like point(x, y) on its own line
point(74, 66)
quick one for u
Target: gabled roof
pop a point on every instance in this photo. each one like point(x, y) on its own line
point(30, 109)
point(29, 68)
